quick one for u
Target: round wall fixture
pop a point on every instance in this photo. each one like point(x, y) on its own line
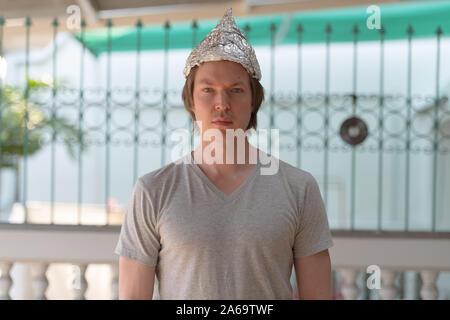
point(353, 131)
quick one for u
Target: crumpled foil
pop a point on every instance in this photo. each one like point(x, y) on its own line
point(225, 42)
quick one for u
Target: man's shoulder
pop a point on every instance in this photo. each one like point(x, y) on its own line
point(294, 173)
point(292, 181)
point(158, 178)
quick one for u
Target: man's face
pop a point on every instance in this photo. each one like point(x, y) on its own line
point(222, 90)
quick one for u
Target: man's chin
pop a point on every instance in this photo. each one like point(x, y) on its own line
point(223, 127)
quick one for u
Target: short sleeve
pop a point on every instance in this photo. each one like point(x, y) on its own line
point(313, 233)
point(138, 238)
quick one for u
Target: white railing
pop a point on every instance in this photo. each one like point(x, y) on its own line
point(427, 253)
point(40, 247)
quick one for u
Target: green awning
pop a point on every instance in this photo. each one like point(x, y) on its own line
point(425, 17)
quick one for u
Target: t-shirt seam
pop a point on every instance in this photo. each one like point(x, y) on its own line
point(251, 180)
point(288, 190)
point(197, 171)
point(302, 209)
point(132, 254)
point(148, 198)
point(322, 246)
point(222, 195)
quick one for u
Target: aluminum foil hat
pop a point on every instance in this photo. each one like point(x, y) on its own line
point(225, 42)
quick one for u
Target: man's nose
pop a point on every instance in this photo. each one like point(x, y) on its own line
point(222, 100)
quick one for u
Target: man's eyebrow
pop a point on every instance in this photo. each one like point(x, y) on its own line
point(206, 81)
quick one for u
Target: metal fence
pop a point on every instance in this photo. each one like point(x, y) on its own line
point(396, 126)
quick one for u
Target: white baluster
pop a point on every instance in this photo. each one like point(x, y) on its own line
point(388, 289)
point(417, 285)
point(80, 284)
point(349, 289)
point(40, 281)
point(114, 281)
point(5, 280)
point(429, 290)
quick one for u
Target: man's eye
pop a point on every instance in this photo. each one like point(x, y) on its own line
point(208, 89)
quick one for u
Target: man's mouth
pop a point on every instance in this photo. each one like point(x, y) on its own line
point(223, 122)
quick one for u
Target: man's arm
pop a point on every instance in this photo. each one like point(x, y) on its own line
point(313, 275)
point(136, 280)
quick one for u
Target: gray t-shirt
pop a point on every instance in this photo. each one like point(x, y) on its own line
point(206, 244)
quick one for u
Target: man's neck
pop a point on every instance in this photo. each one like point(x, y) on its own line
point(225, 169)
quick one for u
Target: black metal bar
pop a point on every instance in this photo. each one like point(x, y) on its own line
point(354, 103)
point(410, 32)
point(80, 122)
point(54, 85)
point(380, 130)
point(436, 128)
point(299, 95)
point(26, 118)
point(108, 118)
point(137, 99)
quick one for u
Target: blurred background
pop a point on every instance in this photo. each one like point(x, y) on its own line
point(90, 99)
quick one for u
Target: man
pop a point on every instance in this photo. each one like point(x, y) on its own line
point(221, 230)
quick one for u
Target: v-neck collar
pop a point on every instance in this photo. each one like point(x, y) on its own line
point(220, 194)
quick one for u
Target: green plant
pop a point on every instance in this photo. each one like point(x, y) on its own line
point(24, 124)
point(19, 112)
